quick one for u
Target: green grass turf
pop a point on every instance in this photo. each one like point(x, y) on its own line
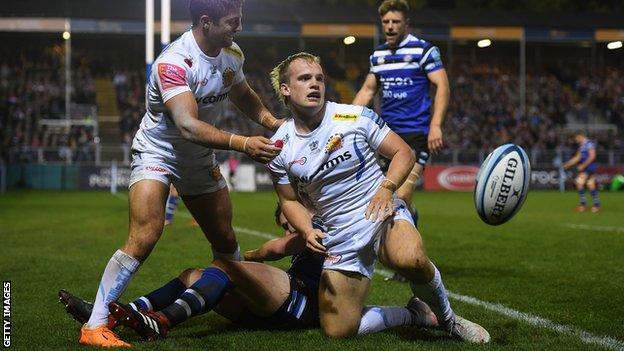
point(533, 264)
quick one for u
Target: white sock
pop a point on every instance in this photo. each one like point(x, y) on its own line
point(378, 318)
point(115, 279)
point(434, 294)
point(234, 256)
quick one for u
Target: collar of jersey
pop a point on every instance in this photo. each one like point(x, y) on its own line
point(403, 42)
point(199, 51)
point(312, 133)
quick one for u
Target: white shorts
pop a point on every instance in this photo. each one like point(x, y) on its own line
point(354, 248)
point(199, 177)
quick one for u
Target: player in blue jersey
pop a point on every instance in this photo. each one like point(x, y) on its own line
point(403, 68)
point(584, 159)
point(250, 294)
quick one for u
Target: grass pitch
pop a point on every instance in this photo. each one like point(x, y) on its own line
point(547, 262)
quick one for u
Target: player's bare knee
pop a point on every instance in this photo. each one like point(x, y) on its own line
point(227, 266)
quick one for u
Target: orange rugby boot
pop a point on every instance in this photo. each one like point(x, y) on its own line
point(100, 337)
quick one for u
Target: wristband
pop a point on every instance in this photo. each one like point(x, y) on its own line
point(245, 144)
point(388, 184)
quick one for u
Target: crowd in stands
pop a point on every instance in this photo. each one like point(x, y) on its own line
point(484, 111)
point(32, 90)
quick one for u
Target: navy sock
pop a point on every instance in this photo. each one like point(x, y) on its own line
point(159, 298)
point(594, 195)
point(200, 298)
point(582, 197)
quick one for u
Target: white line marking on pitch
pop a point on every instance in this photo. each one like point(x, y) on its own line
point(586, 337)
point(595, 228)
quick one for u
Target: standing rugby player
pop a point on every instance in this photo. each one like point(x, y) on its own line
point(189, 86)
point(328, 161)
point(585, 162)
point(403, 67)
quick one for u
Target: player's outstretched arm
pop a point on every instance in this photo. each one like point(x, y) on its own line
point(574, 160)
point(276, 249)
point(299, 217)
point(367, 91)
point(250, 104)
point(183, 110)
point(440, 106)
point(402, 161)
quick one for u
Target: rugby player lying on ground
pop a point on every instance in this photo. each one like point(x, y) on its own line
point(250, 294)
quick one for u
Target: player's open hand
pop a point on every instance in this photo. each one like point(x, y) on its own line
point(314, 239)
point(434, 141)
point(381, 206)
point(261, 149)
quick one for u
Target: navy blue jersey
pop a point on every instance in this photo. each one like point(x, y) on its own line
point(307, 265)
point(402, 76)
point(584, 151)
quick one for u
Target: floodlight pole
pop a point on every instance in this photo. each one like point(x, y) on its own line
point(68, 72)
point(165, 23)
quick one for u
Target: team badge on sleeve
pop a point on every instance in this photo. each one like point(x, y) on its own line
point(171, 76)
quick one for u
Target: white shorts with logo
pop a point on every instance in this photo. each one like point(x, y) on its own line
point(199, 177)
point(354, 248)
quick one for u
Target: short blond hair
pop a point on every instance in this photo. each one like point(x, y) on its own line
point(279, 74)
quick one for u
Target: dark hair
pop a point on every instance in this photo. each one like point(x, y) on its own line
point(394, 5)
point(214, 9)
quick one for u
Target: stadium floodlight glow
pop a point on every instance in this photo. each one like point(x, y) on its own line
point(484, 43)
point(349, 40)
point(66, 35)
point(614, 45)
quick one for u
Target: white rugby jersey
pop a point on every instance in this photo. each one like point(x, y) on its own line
point(333, 168)
point(181, 67)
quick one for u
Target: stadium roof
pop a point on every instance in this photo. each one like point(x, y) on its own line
point(305, 12)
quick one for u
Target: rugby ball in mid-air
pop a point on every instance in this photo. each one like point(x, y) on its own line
point(502, 184)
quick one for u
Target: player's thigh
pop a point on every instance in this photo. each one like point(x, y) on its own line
point(146, 200)
point(401, 248)
point(213, 213)
point(262, 288)
point(341, 299)
point(591, 182)
point(581, 179)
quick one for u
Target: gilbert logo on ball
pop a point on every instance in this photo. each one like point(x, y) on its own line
point(502, 184)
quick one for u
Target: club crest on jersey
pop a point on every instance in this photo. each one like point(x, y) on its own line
point(189, 61)
point(345, 117)
point(334, 143)
point(228, 77)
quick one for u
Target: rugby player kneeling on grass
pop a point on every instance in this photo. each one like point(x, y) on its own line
point(328, 159)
